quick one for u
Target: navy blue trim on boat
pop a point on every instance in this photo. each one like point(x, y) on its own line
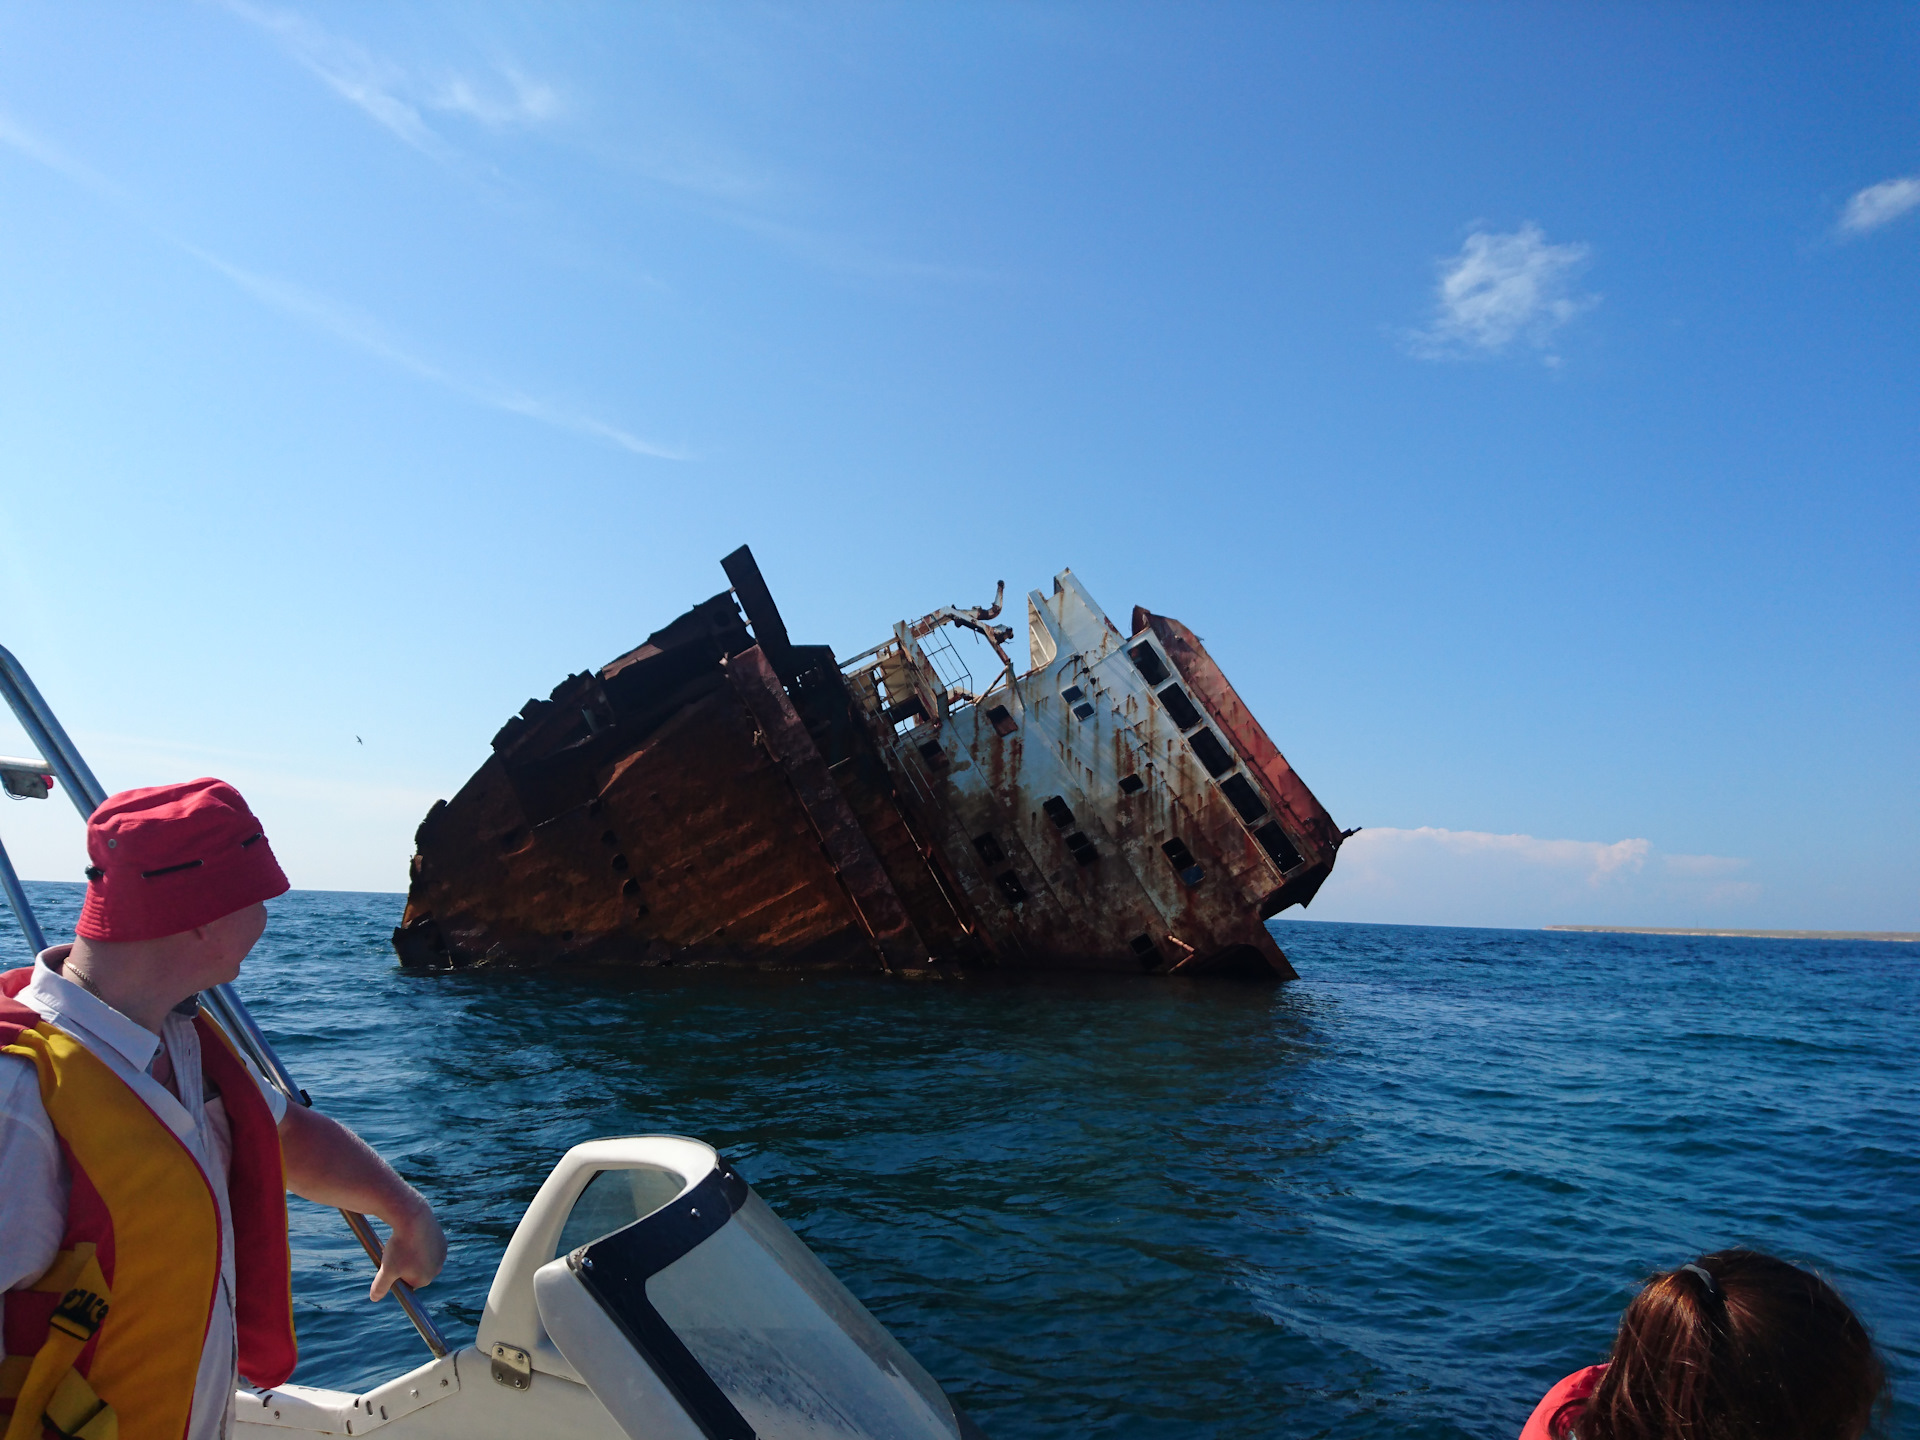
point(615, 1270)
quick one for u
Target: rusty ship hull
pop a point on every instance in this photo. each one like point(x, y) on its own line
point(722, 795)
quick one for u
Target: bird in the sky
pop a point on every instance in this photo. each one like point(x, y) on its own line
point(358, 741)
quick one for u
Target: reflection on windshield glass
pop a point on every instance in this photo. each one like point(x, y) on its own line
point(798, 1356)
point(614, 1199)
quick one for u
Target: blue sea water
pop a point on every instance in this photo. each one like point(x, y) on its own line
point(1396, 1198)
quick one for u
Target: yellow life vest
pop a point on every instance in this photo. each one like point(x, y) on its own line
point(106, 1345)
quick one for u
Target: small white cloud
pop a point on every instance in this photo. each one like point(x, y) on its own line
point(515, 102)
point(1503, 289)
point(1880, 204)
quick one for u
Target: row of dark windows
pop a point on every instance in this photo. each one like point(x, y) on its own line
point(1271, 837)
point(1217, 758)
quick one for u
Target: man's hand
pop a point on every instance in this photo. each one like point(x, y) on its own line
point(328, 1163)
point(414, 1252)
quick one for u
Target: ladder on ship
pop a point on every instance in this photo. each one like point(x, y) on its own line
point(65, 768)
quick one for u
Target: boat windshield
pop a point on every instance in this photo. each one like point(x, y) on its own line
point(798, 1356)
point(616, 1198)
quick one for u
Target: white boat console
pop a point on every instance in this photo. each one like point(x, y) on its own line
point(647, 1293)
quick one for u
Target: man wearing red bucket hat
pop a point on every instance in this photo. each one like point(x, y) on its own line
point(144, 1164)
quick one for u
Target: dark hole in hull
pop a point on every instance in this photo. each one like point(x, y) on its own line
point(1212, 753)
point(1179, 707)
point(1245, 799)
point(1148, 660)
point(1275, 842)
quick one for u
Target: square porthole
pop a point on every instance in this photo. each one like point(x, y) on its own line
point(1244, 797)
point(1177, 705)
point(989, 848)
point(1275, 842)
point(1059, 812)
point(1212, 753)
point(933, 754)
point(1073, 694)
point(1082, 848)
point(1147, 952)
point(1083, 711)
point(1131, 784)
point(1001, 721)
point(1147, 660)
point(1010, 887)
point(1181, 858)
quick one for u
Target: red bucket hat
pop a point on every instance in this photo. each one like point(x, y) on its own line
point(170, 857)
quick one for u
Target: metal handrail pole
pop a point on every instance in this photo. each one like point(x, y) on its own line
point(235, 1019)
point(226, 1007)
point(38, 719)
point(402, 1292)
point(22, 907)
point(231, 1014)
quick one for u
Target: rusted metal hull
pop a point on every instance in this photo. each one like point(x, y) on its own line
point(720, 795)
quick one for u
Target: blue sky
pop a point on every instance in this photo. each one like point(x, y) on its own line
point(1520, 400)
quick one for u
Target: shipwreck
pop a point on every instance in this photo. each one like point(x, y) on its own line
point(723, 795)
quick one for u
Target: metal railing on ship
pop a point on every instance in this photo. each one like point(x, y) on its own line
point(63, 761)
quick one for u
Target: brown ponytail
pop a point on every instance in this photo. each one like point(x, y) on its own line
point(1736, 1346)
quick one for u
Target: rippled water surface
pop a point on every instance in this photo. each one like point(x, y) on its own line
point(1399, 1197)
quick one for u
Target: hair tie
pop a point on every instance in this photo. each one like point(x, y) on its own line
point(1705, 1277)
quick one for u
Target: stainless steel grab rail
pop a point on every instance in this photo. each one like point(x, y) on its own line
point(221, 1003)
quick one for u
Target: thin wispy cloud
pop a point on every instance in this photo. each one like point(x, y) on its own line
point(1503, 291)
point(1591, 862)
point(343, 322)
point(725, 187)
point(1880, 204)
point(517, 102)
point(357, 328)
point(22, 141)
point(400, 99)
point(1473, 877)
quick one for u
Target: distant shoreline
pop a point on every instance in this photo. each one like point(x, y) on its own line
point(1902, 936)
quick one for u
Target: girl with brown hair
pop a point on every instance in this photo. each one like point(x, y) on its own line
point(1735, 1346)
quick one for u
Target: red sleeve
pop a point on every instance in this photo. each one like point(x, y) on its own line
point(1577, 1386)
